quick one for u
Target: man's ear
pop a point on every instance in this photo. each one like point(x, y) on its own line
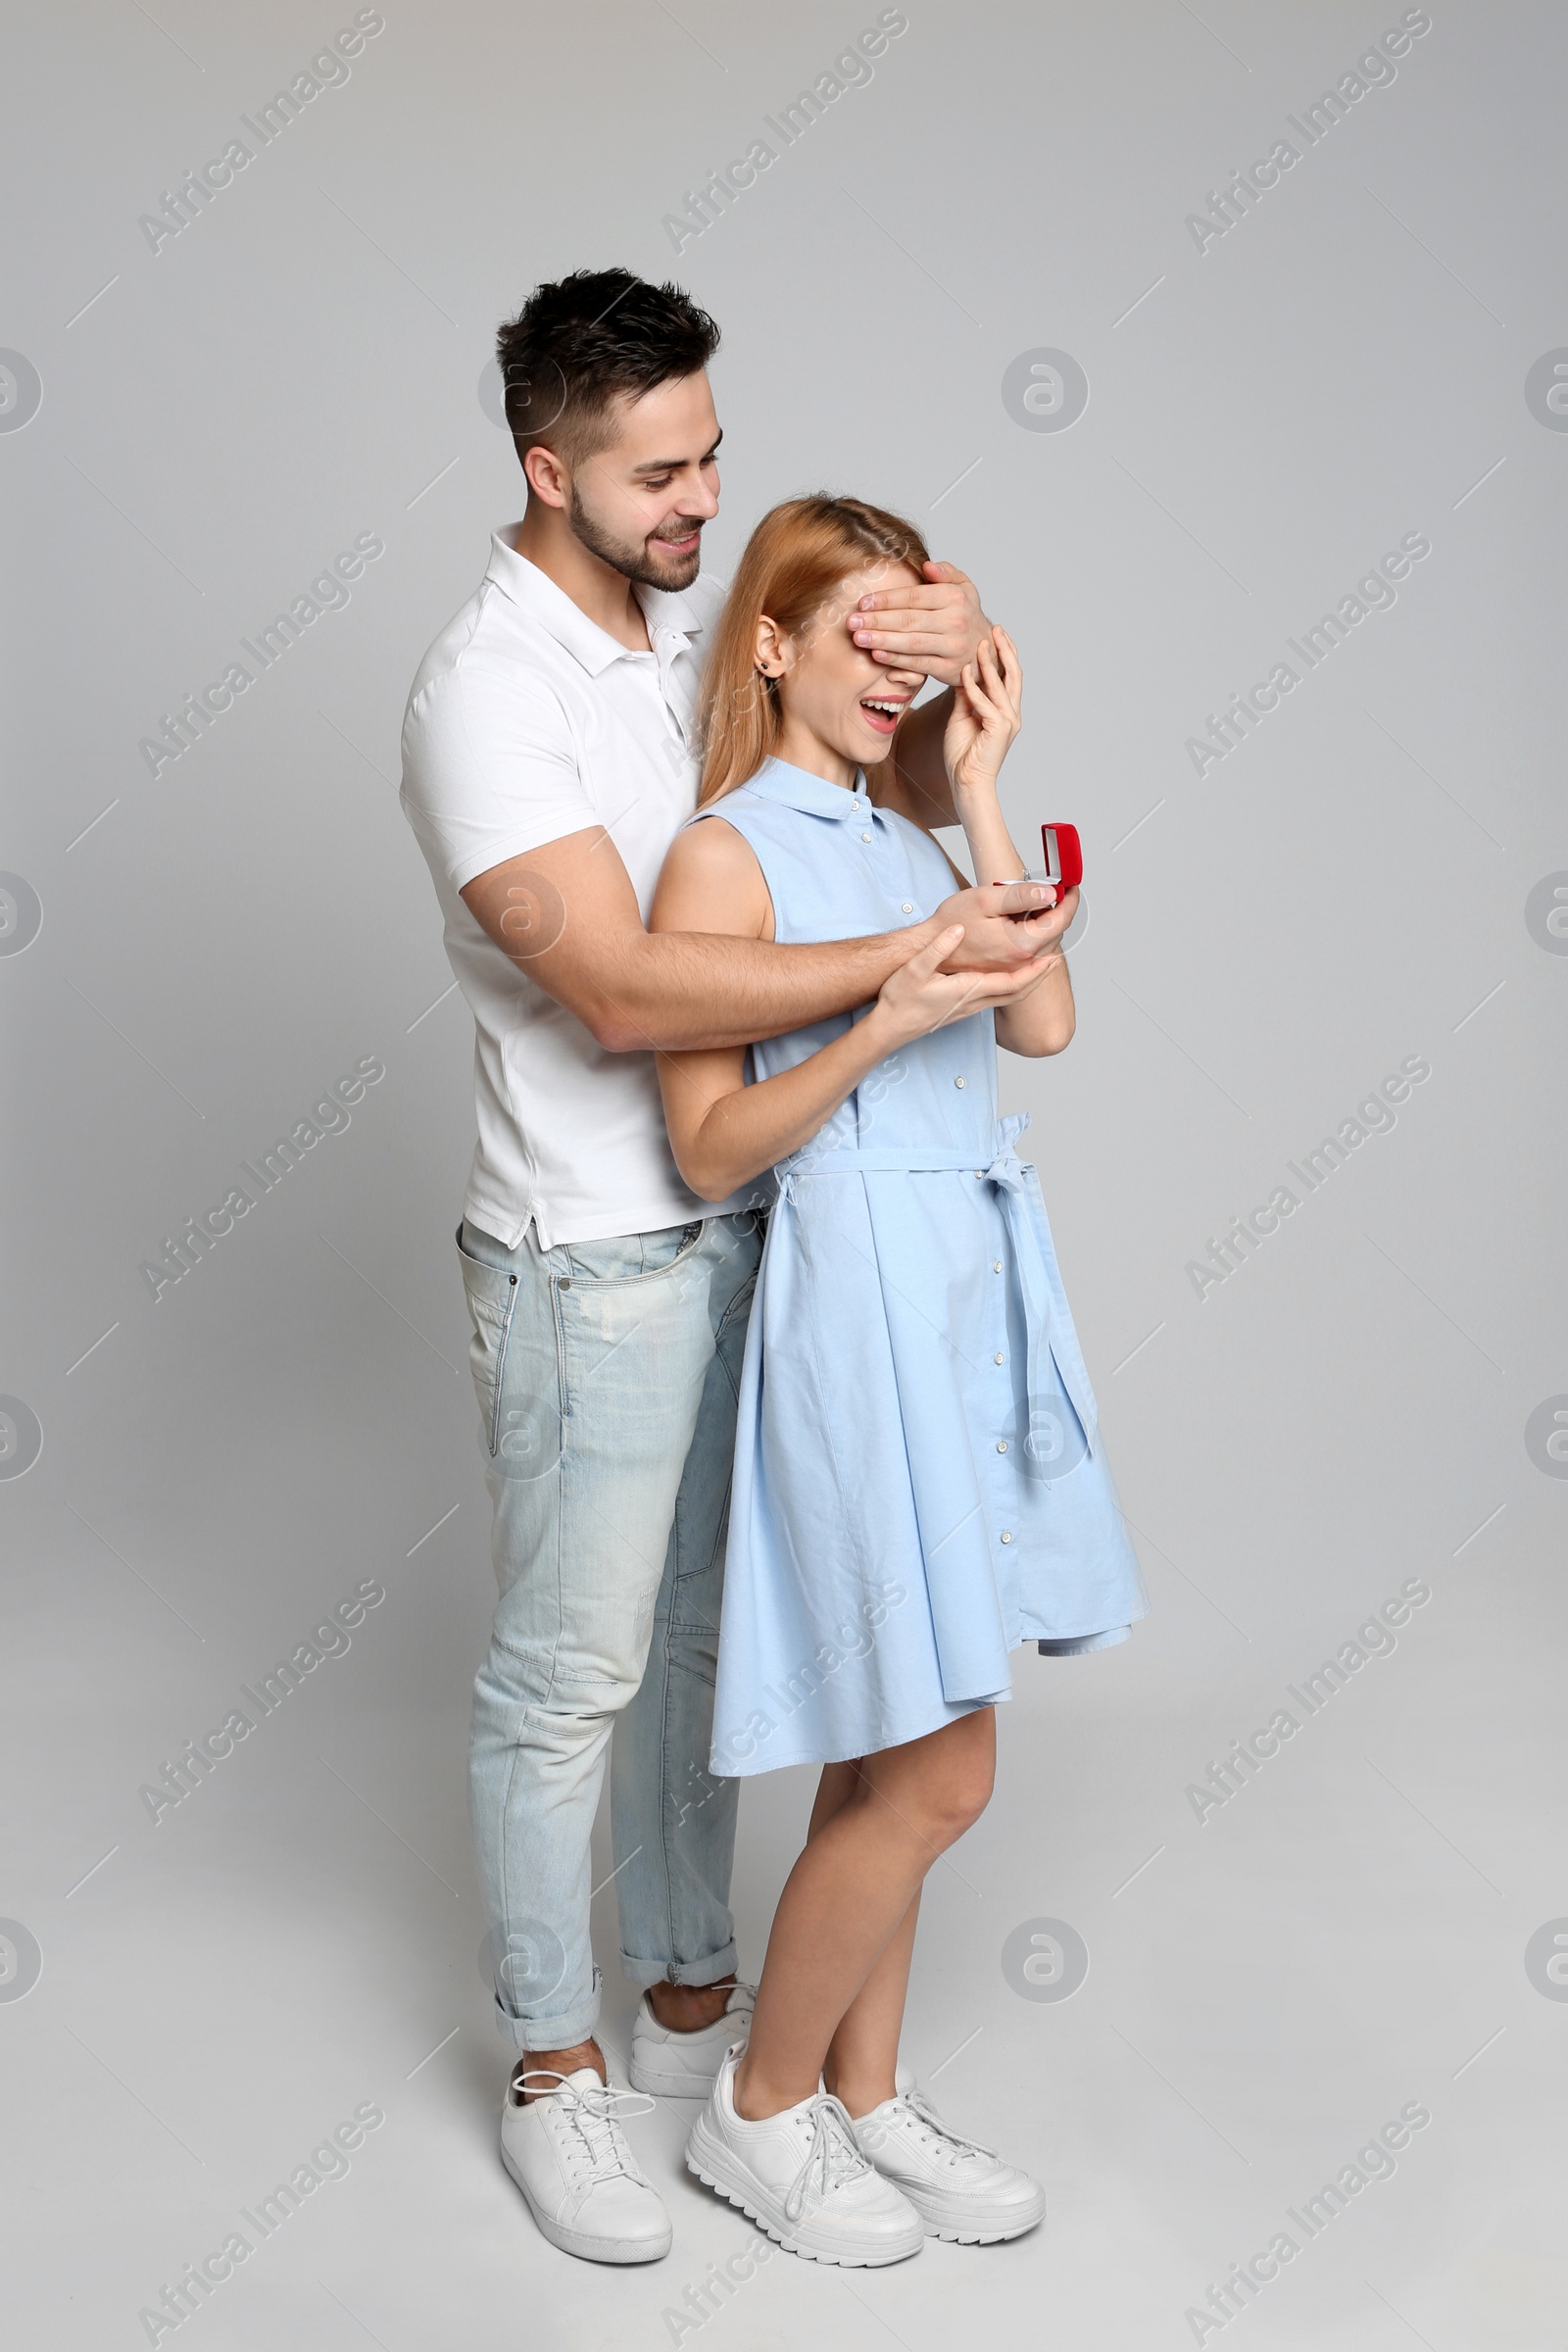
point(548, 479)
point(769, 650)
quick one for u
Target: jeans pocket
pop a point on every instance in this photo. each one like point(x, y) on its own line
point(492, 1296)
point(632, 1257)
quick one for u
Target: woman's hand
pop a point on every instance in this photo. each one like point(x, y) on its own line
point(918, 998)
point(987, 714)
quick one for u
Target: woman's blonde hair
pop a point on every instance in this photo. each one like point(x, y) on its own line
point(794, 560)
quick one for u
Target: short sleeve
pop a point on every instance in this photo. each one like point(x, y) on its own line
point(490, 769)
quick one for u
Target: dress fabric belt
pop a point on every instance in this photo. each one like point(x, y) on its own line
point(1018, 1193)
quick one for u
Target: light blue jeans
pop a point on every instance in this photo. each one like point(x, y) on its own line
point(607, 1375)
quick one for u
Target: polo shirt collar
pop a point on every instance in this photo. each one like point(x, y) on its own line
point(667, 610)
point(533, 592)
point(799, 789)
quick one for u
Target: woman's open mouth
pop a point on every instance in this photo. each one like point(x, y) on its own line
point(882, 716)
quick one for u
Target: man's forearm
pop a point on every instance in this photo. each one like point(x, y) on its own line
point(919, 770)
point(675, 990)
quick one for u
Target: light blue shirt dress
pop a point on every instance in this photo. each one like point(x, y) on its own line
point(919, 1483)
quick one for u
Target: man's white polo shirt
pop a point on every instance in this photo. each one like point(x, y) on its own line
point(528, 722)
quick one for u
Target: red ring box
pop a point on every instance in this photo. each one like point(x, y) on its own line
point(1064, 857)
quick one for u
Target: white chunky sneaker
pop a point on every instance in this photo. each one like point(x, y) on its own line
point(568, 2155)
point(959, 2189)
point(672, 2065)
point(802, 2178)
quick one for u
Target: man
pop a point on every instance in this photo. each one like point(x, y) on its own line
point(548, 763)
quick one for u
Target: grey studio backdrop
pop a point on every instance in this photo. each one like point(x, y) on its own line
point(1042, 278)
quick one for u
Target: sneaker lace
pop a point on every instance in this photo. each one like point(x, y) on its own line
point(952, 2145)
point(592, 2140)
point(834, 2156)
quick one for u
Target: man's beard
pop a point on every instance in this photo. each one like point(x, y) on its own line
point(634, 559)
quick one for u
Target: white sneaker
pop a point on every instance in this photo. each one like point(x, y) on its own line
point(959, 2189)
point(682, 2066)
point(568, 2155)
point(802, 2178)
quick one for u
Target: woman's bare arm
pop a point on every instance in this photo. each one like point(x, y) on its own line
point(723, 1131)
point(986, 717)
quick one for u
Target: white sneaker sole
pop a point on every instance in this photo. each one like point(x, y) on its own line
point(960, 2224)
point(578, 2242)
point(717, 2169)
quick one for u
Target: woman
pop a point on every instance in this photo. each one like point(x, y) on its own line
point(919, 1483)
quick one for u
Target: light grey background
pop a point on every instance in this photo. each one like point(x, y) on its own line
point(1267, 942)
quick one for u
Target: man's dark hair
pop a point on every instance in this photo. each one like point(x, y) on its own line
point(579, 343)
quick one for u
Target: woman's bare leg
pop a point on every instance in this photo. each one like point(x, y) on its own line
point(863, 2057)
point(849, 1898)
point(833, 1790)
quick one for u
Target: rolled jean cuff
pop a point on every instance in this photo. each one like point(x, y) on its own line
point(711, 1971)
point(562, 2033)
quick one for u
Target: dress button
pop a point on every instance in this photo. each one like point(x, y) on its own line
point(957, 1082)
point(1001, 1445)
point(1006, 1535)
point(998, 1358)
point(907, 908)
point(866, 836)
point(996, 1265)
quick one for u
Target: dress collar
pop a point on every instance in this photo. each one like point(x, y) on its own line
point(796, 788)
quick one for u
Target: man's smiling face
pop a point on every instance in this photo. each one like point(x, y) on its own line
point(641, 500)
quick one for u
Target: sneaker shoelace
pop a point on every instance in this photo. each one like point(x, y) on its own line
point(593, 2136)
point(953, 2147)
point(834, 2156)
